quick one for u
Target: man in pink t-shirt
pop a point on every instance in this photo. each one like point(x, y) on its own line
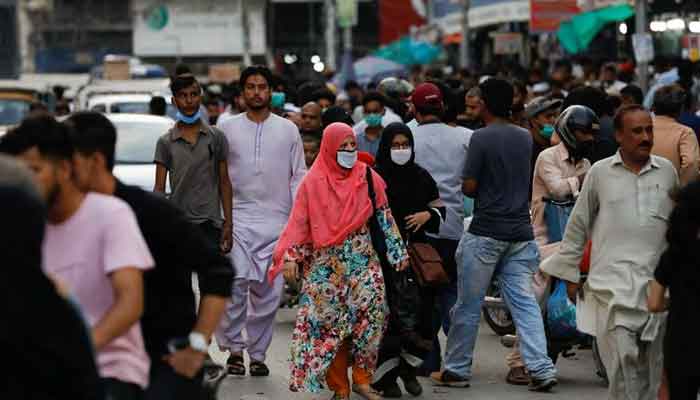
point(94, 249)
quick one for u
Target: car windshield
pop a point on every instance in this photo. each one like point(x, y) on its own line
point(13, 111)
point(136, 143)
point(137, 108)
point(130, 107)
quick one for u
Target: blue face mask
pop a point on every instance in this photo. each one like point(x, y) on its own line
point(547, 131)
point(189, 120)
point(277, 100)
point(373, 120)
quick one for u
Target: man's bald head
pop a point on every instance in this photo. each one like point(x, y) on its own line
point(311, 118)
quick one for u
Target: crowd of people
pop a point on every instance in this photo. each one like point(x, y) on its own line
point(331, 190)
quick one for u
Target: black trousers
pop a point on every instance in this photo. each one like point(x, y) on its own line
point(166, 384)
point(119, 390)
point(441, 300)
point(212, 233)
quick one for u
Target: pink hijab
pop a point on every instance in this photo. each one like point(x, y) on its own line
point(331, 203)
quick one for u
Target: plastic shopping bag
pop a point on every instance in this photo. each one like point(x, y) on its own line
point(556, 217)
point(561, 314)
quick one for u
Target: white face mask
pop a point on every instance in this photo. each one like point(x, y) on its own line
point(347, 159)
point(401, 156)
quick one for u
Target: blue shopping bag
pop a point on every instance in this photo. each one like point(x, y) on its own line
point(561, 314)
point(555, 217)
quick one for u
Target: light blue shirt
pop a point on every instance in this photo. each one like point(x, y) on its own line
point(442, 151)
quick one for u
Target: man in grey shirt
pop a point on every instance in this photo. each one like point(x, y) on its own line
point(442, 151)
point(194, 156)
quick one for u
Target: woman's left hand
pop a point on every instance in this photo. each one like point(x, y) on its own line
point(403, 265)
point(416, 221)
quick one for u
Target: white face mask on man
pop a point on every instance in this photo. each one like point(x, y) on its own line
point(347, 159)
point(401, 156)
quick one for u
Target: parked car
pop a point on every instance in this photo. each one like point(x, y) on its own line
point(136, 103)
point(137, 136)
point(15, 99)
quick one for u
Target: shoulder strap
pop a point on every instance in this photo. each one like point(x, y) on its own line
point(370, 188)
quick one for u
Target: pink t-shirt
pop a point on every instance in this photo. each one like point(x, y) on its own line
point(100, 238)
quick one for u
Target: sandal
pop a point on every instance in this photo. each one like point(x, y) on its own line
point(258, 368)
point(518, 376)
point(366, 393)
point(235, 365)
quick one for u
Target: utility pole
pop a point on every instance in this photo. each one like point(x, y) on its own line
point(330, 34)
point(347, 38)
point(245, 37)
point(642, 26)
point(430, 12)
point(464, 44)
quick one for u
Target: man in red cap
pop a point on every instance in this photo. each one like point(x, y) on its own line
point(442, 151)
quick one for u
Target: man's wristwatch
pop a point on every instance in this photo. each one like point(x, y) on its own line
point(198, 342)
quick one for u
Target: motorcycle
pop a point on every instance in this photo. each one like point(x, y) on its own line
point(495, 311)
point(498, 317)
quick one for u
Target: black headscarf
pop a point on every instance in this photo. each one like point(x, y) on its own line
point(410, 188)
point(62, 359)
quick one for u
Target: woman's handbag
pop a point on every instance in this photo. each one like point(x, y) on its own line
point(425, 260)
point(427, 265)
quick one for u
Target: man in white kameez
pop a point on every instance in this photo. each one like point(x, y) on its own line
point(266, 165)
point(623, 207)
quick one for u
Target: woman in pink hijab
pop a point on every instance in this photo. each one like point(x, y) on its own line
point(327, 244)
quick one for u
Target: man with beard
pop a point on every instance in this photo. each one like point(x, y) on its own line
point(213, 110)
point(311, 119)
point(266, 165)
point(179, 249)
point(64, 361)
point(93, 247)
point(623, 207)
point(474, 108)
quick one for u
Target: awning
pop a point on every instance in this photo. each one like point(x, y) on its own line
point(577, 34)
point(448, 13)
point(407, 51)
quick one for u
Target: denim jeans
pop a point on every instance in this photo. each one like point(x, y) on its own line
point(514, 264)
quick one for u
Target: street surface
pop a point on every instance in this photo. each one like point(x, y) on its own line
point(577, 379)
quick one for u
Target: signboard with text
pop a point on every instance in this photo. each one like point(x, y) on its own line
point(203, 28)
point(546, 15)
point(505, 43)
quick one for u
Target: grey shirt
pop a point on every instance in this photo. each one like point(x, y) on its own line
point(193, 171)
point(499, 161)
point(442, 151)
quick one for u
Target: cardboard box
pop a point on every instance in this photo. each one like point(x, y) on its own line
point(224, 73)
point(116, 70)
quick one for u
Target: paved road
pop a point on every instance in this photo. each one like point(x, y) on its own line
point(576, 375)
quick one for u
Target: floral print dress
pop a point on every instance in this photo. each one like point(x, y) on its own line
point(342, 297)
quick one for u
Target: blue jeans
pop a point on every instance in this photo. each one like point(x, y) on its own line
point(513, 264)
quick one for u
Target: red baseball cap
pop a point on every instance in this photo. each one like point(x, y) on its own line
point(427, 95)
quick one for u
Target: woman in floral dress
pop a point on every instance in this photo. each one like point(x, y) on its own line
point(327, 244)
